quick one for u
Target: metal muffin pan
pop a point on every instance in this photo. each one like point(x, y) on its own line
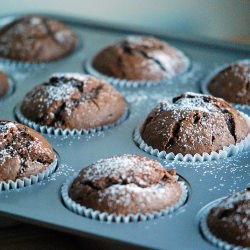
point(41, 204)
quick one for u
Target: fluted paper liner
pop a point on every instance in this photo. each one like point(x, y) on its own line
point(117, 82)
point(203, 214)
point(228, 151)
point(59, 131)
point(28, 181)
point(104, 216)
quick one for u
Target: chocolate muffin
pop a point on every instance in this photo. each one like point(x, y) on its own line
point(4, 84)
point(232, 83)
point(229, 221)
point(126, 184)
point(73, 101)
point(194, 123)
point(140, 58)
point(35, 38)
point(23, 151)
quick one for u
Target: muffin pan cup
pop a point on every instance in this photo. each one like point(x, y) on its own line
point(207, 79)
point(208, 234)
point(213, 156)
point(124, 83)
point(59, 131)
point(103, 216)
point(28, 181)
point(42, 203)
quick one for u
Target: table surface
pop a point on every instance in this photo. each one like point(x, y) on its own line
point(28, 237)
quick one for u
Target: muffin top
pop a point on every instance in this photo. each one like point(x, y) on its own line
point(23, 151)
point(194, 123)
point(73, 101)
point(230, 219)
point(232, 83)
point(4, 84)
point(126, 184)
point(35, 38)
point(140, 58)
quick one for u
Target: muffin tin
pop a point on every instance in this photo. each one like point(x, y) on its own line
point(41, 204)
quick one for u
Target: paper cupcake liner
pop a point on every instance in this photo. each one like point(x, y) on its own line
point(12, 88)
point(28, 181)
point(104, 216)
point(203, 214)
point(228, 151)
point(59, 131)
point(205, 82)
point(136, 84)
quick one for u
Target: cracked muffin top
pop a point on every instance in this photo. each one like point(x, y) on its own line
point(73, 101)
point(232, 83)
point(126, 184)
point(23, 151)
point(36, 39)
point(230, 219)
point(194, 123)
point(140, 58)
point(4, 84)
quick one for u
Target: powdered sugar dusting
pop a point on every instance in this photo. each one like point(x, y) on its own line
point(195, 102)
point(125, 167)
point(123, 194)
point(227, 176)
point(77, 76)
point(240, 196)
point(240, 70)
point(7, 126)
